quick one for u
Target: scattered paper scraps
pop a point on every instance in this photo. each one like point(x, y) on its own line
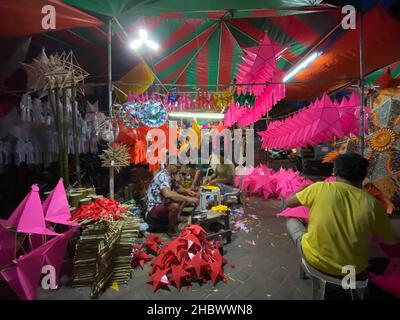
point(252, 242)
point(114, 286)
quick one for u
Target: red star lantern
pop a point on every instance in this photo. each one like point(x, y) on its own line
point(191, 240)
point(159, 279)
point(189, 257)
point(197, 230)
point(174, 246)
point(197, 264)
point(216, 270)
point(152, 242)
point(159, 262)
point(139, 259)
point(178, 275)
point(171, 259)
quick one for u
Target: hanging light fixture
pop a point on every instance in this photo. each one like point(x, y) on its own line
point(302, 66)
point(197, 115)
point(143, 39)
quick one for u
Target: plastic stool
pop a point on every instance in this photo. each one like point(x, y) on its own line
point(319, 281)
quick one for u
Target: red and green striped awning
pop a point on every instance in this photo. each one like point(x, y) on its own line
point(201, 41)
point(204, 53)
point(24, 17)
point(204, 9)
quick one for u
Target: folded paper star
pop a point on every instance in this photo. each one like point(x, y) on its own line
point(198, 264)
point(196, 230)
point(178, 275)
point(152, 242)
point(159, 279)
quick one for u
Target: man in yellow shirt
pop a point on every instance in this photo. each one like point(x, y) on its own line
point(343, 218)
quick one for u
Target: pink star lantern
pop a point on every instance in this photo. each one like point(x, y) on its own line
point(29, 216)
point(299, 212)
point(56, 206)
point(259, 182)
point(390, 280)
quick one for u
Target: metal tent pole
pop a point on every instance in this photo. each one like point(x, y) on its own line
point(110, 102)
point(75, 137)
point(65, 138)
point(362, 129)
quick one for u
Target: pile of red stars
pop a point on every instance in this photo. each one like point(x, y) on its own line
point(101, 209)
point(190, 257)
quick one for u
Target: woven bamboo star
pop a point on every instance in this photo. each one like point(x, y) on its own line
point(116, 156)
point(54, 71)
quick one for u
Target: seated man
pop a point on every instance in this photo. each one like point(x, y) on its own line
point(343, 218)
point(224, 175)
point(200, 169)
point(163, 203)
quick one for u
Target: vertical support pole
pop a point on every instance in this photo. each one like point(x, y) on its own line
point(362, 126)
point(65, 137)
point(75, 137)
point(59, 132)
point(110, 107)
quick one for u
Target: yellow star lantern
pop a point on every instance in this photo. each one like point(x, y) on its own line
point(195, 135)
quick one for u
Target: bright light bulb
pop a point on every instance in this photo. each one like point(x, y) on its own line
point(152, 44)
point(135, 44)
point(143, 34)
point(143, 38)
point(200, 115)
point(302, 66)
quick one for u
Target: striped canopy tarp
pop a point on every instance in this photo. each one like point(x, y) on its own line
point(200, 45)
point(204, 53)
point(204, 9)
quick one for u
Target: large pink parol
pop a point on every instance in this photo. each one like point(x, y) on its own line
point(320, 122)
point(271, 184)
point(258, 66)
point(22, 273)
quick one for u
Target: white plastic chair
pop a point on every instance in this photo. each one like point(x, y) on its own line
point(319, 281)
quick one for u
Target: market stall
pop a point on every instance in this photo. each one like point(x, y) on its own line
point(102, 105)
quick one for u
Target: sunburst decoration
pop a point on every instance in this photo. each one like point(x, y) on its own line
point(382, 139)
point(116, 156)
point(382, 147)
point(54, 71)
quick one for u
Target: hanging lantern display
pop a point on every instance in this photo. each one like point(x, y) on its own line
point(244, 100)
point(153, 114)
point(129, 114)
point(184, 101)
point(116, 156)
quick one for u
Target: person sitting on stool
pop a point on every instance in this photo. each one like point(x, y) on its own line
point(224, 175)
point(343, 218)
point(164, 204)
